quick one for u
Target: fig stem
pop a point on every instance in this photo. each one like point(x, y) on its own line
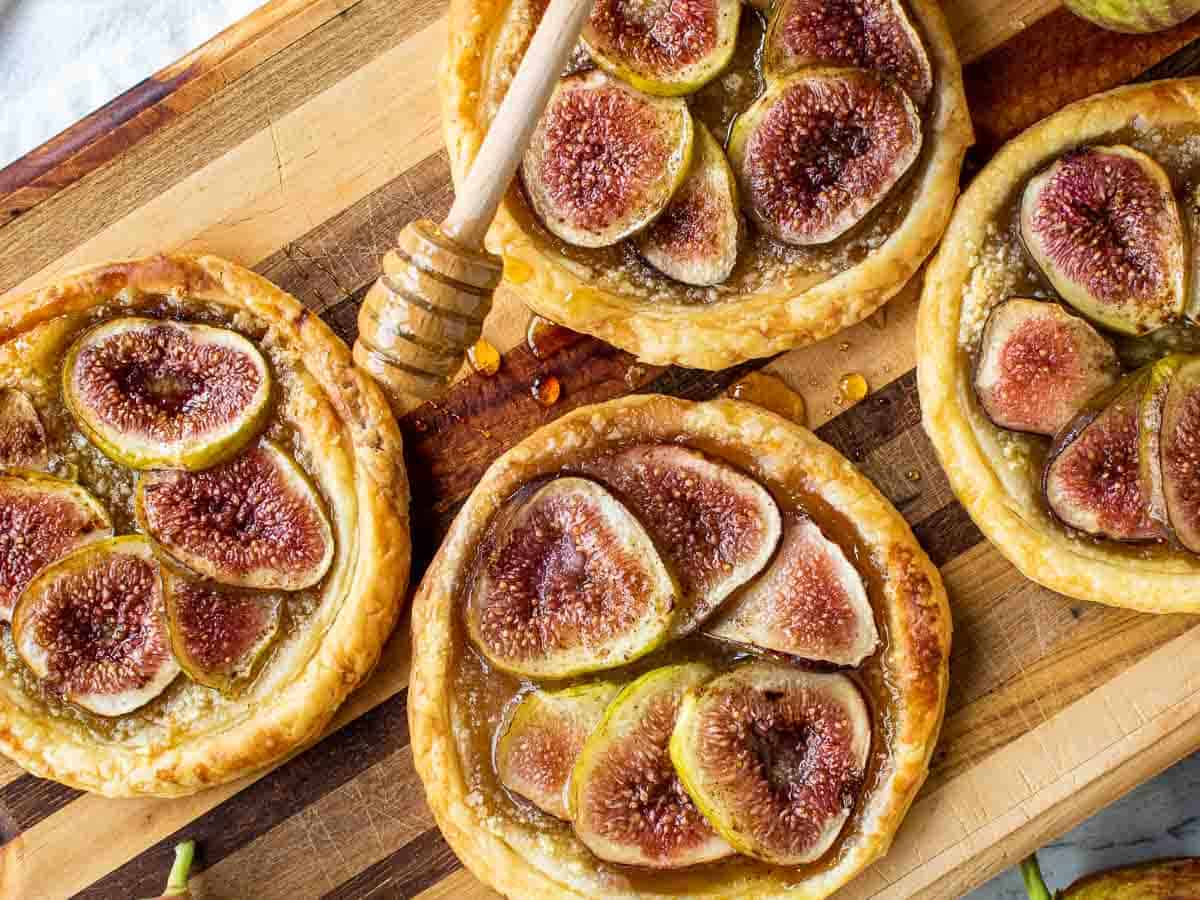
point(177, 881)
point(1035, 885)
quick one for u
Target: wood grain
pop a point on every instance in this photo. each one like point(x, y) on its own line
point(307, 145)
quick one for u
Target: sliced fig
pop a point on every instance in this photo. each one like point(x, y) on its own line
point(22, 437)
point(775, 758)
point(1170, 447)
point(663, 47)
point(157, 394)
point(41, 520)
point(820, 149)
point(91, 625)
point(695, 240)
point(537, 751)
point(716, 527)
point(1191, 218)
point(810, 602)
point(220, 635)
point(1038, 365)
point(627, 803)
point(255, 521)
point(866, 34)
point(1092, 480)
point(605, 159)
point(572, 584)
point(1102, 225)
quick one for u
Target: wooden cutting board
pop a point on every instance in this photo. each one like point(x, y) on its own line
point(299, 142)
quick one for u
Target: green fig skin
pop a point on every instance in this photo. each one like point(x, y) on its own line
point(1134, 16)
point(1175, 879)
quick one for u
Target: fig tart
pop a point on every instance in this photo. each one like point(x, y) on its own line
point(707, 613)
point(204, 540)
point(712, 183)
point(1058, 338)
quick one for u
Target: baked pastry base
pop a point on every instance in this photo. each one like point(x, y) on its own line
point(524, 861)
point(487, 40)
point(997, 494)
point(344, 435)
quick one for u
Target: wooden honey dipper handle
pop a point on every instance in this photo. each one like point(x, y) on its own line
point(427, 308)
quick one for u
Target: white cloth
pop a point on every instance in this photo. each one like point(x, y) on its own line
point(61, 59)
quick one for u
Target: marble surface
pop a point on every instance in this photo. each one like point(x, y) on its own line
point(60, 59)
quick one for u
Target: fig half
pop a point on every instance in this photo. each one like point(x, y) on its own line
point(41, 520)
point(157, 394)
point(22, 437)
point(810, 602)
point(627, 802)
point(695, 240)
point(1092, 479)
point(1102, 225)
point(663, 47)
point(91, 625)
point(219, 635)
point(538, 749)
point(716, 527)
point(1038, 364)
point(1170, 447)
point(255, 521)
point(820, 149)
point(605, 159)
point(867, 34)
point(775, 757)
point(572, 584)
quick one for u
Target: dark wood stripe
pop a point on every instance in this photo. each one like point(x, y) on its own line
point(246, 106)
point(275, 797)
point(404, 872)
point(1030, 76)
point(947, 533)
point(28, 799)
point(876, 420)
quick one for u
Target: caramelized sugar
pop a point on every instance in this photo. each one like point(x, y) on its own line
point(483, 697)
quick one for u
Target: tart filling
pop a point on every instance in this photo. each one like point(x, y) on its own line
point(845, 126)
point(757, 741)
point(1057, 349)
point(186, 573)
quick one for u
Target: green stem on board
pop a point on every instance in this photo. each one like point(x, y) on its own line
point(177, 881)
point(1035, 885)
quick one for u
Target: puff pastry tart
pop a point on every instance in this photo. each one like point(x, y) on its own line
point(1058, 337)
point(710, 184)
point(675, 649)
point(203, 526)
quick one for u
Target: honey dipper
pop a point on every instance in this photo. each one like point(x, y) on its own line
point(427, 308)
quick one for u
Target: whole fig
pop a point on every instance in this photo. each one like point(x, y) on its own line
point(1135, 16)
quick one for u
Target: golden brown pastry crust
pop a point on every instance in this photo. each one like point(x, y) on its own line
point(719, 334)
point(1042, 550)
point(786, 455)
point(370, 575)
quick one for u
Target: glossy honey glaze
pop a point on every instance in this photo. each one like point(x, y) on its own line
point(483, 697)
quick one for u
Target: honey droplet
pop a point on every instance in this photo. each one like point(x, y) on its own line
point(843, 346)
point(913, 474)
point(544, 337)
point(546, 390)
point(517, 270)
point(770, 393)
point(853, 387)
point(484, 358)
point(634, 376)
